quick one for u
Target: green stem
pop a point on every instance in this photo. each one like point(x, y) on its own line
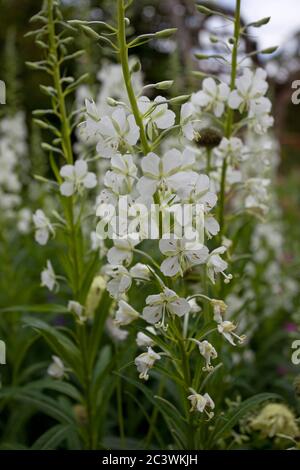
point(53, 51)
point(75, 234)
point(123, 49)
point(230, 114)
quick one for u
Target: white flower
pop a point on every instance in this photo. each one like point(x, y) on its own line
point(215, 265)
point(200, 403)
point(208, 352)
point(123, 165)
point(77, 309)
point(181, 255)
point(257, 197)
point(260, 119)
point(219, 308)
point(97, 243)
point(125, 314)
point(122, 251)
point(194, 307)
point(140, 272)
point(115, 332)
point(227, 328)
point(43, 227)
point(48, 277)
point(212, 96)
point(116, 131)
point(146, 361)
point(120, 282)
point(24, 220)
point(155, 114)
point(165, 302)
point(76, 178)
point(249, 87)
point(168, 172)
point(232, 150)
point(186, 115)
point(56, 369)
point(143, 340)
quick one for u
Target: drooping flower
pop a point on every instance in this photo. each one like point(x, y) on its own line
point(227, 328)
point(43, 227)
point(125, 314)
point(56, 370)
point(77, 309)
point(181, 255)
point(77, 177)
point(146, 361)
point(48, 277)
point(275, 419)
point(201, 403)
point(215, 265)
point(208, 352)
point(212, 96)
point(167, 302)
point(219, 309)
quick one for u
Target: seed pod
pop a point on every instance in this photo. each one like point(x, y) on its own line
point(208, 137)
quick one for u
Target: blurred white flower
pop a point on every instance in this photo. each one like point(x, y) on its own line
point(48, 277)
point(77, 309)
point(143, 340)
point(125, 314)
point(56, 370)
point(43, 227)
point(76, 178)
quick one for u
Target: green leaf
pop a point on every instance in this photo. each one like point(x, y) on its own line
point(45, 404)
point(226, 422)
point(60, 344)
point(51, 438)
point(43, 308)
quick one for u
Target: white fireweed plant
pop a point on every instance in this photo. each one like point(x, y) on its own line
point(189, 149)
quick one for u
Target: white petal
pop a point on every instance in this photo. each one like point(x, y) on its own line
point(67, 188)
point(170, 266)
point(67, 171)
point(90, 181)
point(81, 168)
